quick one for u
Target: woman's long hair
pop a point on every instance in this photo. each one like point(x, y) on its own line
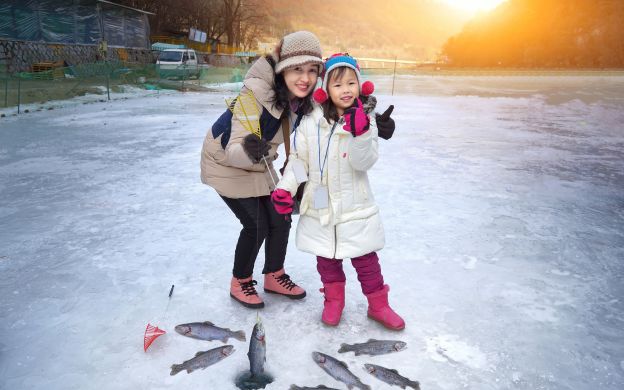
point(281, 94)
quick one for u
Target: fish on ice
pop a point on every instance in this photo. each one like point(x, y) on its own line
point(338, 370)
point(203, 359)
point(209, 331)
point(374, 347)
point(391, 376)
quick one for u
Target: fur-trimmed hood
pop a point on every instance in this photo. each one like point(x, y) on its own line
point(369, 103)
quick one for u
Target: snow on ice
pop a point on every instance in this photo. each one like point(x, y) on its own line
point(502, 200)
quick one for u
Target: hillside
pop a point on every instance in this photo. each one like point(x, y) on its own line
point(408, 29)
point(543, 33)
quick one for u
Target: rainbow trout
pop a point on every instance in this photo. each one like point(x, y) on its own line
point(391, 377)
point(338, 370)
point(208, 331)
point(374, 347)
point(203, 359)
point(257, 349)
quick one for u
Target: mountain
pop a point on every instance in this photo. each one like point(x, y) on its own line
point(542, 33)
point(407, 29)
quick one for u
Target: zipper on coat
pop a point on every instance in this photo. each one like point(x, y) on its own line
point(328, 146)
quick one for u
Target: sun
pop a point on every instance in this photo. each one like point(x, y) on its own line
point(474, 5)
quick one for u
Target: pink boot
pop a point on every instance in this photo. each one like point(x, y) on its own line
point(243, 291)
point(380, 311)
point(279, 282)
point(334, 302)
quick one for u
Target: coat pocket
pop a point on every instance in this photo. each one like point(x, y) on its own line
point(307, 206)
point(361, 190)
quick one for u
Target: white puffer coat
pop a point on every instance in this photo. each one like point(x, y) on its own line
point(350, 226)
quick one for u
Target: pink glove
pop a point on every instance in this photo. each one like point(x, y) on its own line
point(356, 120)
point(282, 201)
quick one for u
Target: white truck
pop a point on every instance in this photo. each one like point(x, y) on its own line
point(178, 63)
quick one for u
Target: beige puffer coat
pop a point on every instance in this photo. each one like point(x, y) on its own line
point(229, 170)
point(351, 225)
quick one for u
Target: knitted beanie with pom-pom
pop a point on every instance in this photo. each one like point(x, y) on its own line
point(336, 61)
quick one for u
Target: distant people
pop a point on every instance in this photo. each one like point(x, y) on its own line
point(333, 149)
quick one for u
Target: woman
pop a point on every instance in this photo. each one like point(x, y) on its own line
point(239, 164)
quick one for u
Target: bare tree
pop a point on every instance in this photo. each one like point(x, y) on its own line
point(240, 21)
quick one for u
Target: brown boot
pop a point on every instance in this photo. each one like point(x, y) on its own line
point(243, 291)
point(279, 282)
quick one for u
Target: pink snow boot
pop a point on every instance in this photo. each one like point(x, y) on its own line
point(380, 311)
point(334, 302)
point(243, 291)
point(279, 282)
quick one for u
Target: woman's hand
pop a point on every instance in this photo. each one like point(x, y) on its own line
point(356, 120)
point(255, 147)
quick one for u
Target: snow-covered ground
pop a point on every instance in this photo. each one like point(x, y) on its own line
point(502, 199)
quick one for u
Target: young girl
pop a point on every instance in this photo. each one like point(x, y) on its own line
point(333, 148)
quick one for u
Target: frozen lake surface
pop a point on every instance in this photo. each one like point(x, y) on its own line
point(502, 200)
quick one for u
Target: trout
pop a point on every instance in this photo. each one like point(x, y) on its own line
point(374, 347)
point(257, 349)
point(338, 370)
point(391, 377)
point(203, 359)
point(208, 331)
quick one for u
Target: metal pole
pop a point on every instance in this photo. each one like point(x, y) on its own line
point(269, 169)
point(394, 74)
point(108, 85)
point(19, 93)
point(6, 92)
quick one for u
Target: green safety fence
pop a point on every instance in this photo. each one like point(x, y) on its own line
point(105, 79)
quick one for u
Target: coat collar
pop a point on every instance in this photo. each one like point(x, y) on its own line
point(319, 120)
point(369, 103)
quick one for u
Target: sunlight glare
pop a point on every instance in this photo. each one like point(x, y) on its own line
point(475, 5)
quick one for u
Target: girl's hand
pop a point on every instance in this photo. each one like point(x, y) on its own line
point(385, 124)
point(282, 201)
point(356, 120)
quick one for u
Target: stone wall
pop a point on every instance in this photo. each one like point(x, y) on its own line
point(19, 56)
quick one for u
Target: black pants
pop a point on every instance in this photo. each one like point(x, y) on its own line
point(260, 223)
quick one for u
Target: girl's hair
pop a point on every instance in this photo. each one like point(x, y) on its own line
point(329, 109)
point(281, 94)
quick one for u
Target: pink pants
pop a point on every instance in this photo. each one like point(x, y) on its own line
point(367, 268)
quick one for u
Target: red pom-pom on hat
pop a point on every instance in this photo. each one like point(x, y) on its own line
point(367, 88)
point(319, 96)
